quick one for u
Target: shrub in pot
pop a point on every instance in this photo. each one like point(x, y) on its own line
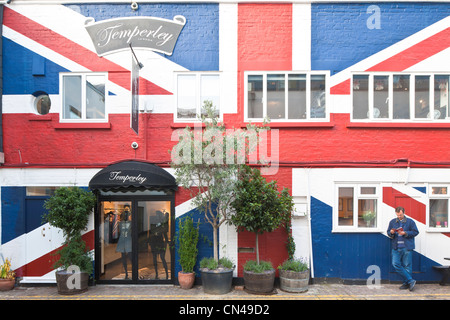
point(294, 275)
point(217, 276)
point(7, 276)
point(259, 277)
point(187, 251)
point(69, 209)
point(259, 207)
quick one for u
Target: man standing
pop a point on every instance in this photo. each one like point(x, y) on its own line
point(402, 231)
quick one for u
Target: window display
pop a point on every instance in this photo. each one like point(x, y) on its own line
point(135, 241)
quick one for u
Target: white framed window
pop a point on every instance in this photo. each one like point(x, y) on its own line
point(400, 97)
point(438, 209)
point(84, 97)
point(286, 96)
point(192, 90)
point(357, 208)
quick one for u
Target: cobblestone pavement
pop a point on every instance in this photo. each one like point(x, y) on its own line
point(172, 292)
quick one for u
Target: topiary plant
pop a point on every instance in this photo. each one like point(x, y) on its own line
point(187, 248)
point(69, 209)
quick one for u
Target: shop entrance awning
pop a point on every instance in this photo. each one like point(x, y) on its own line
point(133, 174)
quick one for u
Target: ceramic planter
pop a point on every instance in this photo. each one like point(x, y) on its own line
point(186, 279)
point(217, 281)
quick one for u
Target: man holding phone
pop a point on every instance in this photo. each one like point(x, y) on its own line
point(402, 231)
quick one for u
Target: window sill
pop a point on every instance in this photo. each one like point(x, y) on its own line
point(280, 125)
point(359, 230)
point(176, 125)
point(36, 117)
point(400, 125)
point(438, 230)
point(73, 125)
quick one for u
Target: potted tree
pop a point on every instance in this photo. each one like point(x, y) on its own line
point(69, 209)
point(294, 275)
point(259, 207)
point(7, 276)
point(187, 251)
point(201, 165)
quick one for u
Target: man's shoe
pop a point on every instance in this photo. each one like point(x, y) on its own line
point(411, 285)
point(404, 286)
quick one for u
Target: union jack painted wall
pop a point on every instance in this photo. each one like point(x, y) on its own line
point(353, 54)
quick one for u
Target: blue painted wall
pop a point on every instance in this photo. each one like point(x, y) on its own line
point(340, 36)
point(205, 243)
point(13, 212)
point(18, 67)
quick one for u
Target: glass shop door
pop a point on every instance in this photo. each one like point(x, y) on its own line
point(134, 242)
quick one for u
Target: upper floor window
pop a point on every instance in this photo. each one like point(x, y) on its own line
point(83, 97)
point(400, 96)
point(193, 89)
point(286, 96)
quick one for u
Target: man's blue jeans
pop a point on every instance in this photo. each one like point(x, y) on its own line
point(402, 263)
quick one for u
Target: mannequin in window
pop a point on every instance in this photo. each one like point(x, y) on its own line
point(124, 243)
point(422, 107)
point(157, 243)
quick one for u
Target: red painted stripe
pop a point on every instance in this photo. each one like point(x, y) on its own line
point(44, 264)
point(341, 88)
point(75, 52)
point(406, 58)
point(413, 208)
point(416, 53)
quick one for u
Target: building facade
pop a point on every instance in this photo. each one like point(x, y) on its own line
point(357, 95)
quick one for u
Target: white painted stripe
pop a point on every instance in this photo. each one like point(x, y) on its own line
point(390, 51)
point(301, 36)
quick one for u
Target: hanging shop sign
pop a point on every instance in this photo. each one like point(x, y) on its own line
point(152, 33)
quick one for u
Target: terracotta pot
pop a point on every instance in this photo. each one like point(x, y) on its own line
point(186, 280)
point(7, 284)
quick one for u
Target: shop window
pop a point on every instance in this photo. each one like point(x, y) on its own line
point(286, 96)
point(356, 208)
point(83, 97)
point(438, 208)
point(400, 97)
point(193, 89)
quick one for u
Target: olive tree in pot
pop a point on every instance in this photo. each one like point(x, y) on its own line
point(201, 160)
point(187, 251)
point(259, 207)
point(69, 209)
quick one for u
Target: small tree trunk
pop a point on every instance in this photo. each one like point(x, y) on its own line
point(216, 252)
point(257, 249)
